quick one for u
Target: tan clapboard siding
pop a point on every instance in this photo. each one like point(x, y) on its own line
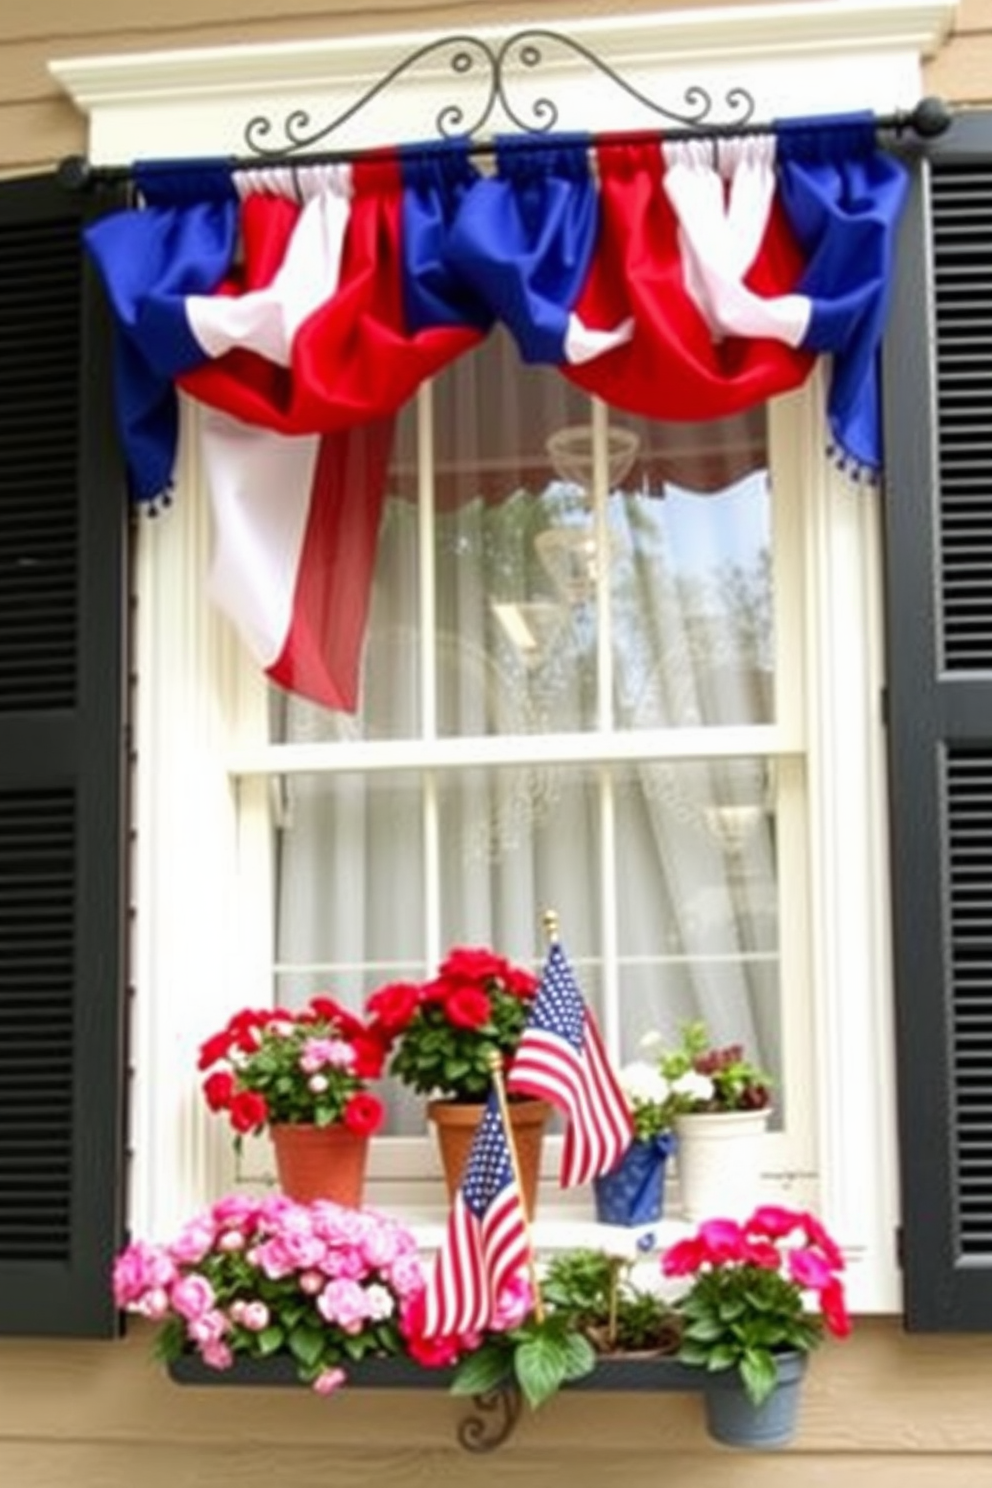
point(883, 1409)
point(176, 1465)
point(160, 21)
point(35, 134)
point(962, 70)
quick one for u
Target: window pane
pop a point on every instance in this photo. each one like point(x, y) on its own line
point(349, 882)
point(698, 907)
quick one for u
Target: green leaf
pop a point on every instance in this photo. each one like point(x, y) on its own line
point(580, 1356)
point(705, 1330)
point(731, 1310)
point(270, 1340)
point(759, 1375)
point(695, 1354)
point(724, 1356)
point(540, 1365)
point(482, 1371)
point(306, 1344)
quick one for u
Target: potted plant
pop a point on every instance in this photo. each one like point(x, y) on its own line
point(634, 1192)
point(303, 1075)
point(719, 1104)
point(321, 1286)
point(442, 1035)
point(763, 1293)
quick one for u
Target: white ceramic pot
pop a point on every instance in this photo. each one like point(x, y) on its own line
point(718, 1158)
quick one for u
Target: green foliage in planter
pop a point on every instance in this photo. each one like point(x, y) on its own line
point(597, 1293)
point(592, 1308)
point(539, 1356)
point(740, 1319)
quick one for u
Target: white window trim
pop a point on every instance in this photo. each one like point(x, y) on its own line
point(191, 958)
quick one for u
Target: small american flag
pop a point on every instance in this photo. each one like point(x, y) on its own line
point(561, 1058)
point(486, 1243)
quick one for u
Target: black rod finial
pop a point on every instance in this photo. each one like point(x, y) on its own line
point(931, 117)
point(74, 173)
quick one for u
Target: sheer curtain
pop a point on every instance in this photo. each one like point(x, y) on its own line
point(377, 870)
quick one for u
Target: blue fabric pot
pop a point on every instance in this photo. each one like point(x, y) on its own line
point(733, 1420)
point(634, 1193)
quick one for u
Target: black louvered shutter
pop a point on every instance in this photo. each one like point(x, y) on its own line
point(938, 378)
point(62, 597)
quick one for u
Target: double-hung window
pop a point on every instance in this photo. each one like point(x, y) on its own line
point(582, 689)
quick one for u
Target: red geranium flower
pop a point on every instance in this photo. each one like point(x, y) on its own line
point(370, 1056)
point(218, 1046)
point(248, 1111)
point(364, 1113)
point(331, 1011)
point(219, 1089)
point(392, 1006)
point(467, 1007)
point(474, 964)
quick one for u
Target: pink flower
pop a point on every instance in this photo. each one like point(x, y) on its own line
point(231, 1241)
point(311, 1282)
point(684, 1258)
point(193, 1242)
point(317, 1084)
point(762, 1253)
point(139, 1269)
point(834, 1309)
point(512, 1305)
point(255, 1317)
point(774, 1222)
point(217, 1354)
point(406, 1275)
point(192, 1296)
point(343, 1302)
point(329, 1380)
point(723, 1240)
point(817, 1235)
point(236, 1211)
point(154, 1304)
point(209, 1328)
point(318, 1052)
point(809, 1269)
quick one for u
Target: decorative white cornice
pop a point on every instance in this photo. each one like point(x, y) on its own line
point(700, 34)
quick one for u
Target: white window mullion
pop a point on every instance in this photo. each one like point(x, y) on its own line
point(601, 538)
point(426, 551)
point(610, 869)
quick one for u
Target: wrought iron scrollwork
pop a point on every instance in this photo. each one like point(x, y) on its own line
point(496, 1414)
point(498, 70)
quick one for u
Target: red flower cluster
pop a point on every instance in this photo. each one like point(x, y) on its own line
point(308, 1066)
point(443, 1032)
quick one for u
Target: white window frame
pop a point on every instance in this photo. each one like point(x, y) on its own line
point(192, 960)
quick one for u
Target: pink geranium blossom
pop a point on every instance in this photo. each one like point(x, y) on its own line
point(265, 1270)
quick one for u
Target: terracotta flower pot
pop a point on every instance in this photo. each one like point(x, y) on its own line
point(455, 1124)
point(320, 1162)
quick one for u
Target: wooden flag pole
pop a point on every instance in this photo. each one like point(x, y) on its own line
point(496, 1065)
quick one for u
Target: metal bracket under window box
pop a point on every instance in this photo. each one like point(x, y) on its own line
point(492, 1417)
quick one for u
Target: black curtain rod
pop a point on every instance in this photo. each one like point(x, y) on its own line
point(930, 118)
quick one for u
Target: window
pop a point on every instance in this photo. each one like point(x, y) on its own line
point(212, 779)
point(582, 687)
